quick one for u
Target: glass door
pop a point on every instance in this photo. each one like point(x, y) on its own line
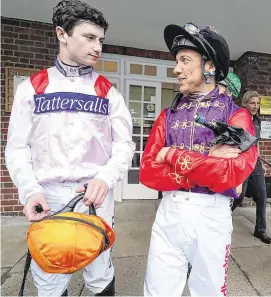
point(144, 103)
point(169, 91)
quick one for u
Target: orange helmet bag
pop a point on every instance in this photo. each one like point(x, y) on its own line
point(67, 241)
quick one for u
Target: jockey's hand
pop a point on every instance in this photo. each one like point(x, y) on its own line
point(239, 189)
point(96, 192)
point(161, 155)
point(224, 151)
point(30, 210)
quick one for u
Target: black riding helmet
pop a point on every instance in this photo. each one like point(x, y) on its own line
point(211, 45)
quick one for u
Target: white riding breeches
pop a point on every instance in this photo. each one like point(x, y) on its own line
point(100, 272)
point(194, 228)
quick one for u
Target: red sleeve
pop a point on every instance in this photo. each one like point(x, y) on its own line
point(159, 175)
point(218, 174)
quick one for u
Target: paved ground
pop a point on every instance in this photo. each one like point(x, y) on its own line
point(249, 269)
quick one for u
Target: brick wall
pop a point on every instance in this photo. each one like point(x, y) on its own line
point(27, 45)
point(33, 45)
point(254, 70)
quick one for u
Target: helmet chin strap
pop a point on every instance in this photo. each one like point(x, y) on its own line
point(207, 74)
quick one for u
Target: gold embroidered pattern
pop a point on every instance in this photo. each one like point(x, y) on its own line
point(191, 138)
point(219, 104)
point(188, 124)
point(178, 178)
point(203, 104)
point(187, 105)
point(185, 124)
point(201, 148)
point(175, 125)
point(185, 163)
point(206, 104)
point(181, 146)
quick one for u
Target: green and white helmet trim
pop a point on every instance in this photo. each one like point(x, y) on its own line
point(233, 83)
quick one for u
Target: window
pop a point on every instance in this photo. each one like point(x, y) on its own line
point(136, 69)
point(107, 66)
point(150, 70)
point(141, 69)
point(110, 66)
point(170, 73)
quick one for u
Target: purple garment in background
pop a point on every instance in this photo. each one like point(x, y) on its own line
point(184, 133)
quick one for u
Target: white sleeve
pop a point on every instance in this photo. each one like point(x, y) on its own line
point(122, 145)
point(17, 152)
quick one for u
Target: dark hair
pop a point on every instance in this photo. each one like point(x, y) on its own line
point(68, 13)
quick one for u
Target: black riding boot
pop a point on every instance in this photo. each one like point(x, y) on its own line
point(109, 290)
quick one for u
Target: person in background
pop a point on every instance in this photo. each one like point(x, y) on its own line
point(251, 101)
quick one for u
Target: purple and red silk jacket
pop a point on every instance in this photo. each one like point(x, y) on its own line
point(187, 165)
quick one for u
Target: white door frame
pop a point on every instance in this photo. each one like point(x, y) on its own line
point(139, 191)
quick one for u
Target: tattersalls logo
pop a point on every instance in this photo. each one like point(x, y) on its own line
point(65, 101)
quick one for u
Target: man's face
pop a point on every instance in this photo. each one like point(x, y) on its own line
point(253, 105)
point(189, 71)
point(84, 44)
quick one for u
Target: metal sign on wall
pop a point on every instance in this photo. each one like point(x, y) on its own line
point(13, 77)
point(266, 129)
point(265, 107)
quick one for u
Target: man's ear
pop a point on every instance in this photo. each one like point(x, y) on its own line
point(210, 67)
point(61, 35)
point(229, 93)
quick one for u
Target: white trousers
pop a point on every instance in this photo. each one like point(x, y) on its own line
point(100, 272)
point(195, 228)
